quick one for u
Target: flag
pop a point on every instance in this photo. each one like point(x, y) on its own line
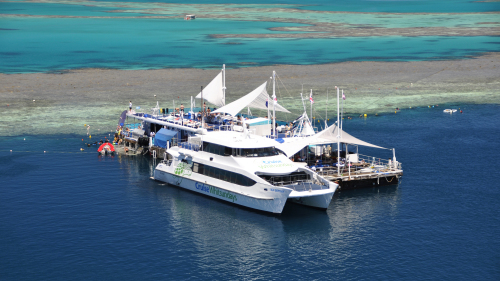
point(343, 96)
point(311, 97)
point(267, 102)
point(275, 99)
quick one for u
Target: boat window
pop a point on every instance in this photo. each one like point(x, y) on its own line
point(216, 149)
point(286, 179)
point(227, 151)
point(221, 174)
point(256, 152)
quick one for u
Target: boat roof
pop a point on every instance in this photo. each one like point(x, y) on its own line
point(238, 140)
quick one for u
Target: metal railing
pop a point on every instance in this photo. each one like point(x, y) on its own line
point(190, 146)
point(297, 185)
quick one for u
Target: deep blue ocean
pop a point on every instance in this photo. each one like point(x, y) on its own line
point(72, 215)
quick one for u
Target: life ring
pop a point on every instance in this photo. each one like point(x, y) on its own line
point(107, 147)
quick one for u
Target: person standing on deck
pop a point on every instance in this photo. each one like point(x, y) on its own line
point(130, 106)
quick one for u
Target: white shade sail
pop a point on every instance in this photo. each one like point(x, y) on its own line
point(329, 135)
point(291, 146)
point(213, 92)
point(255, 99)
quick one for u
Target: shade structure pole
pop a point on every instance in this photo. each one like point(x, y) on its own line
point(223, 84)
point(311, 108)
point(274, 103)
point(338, 132)
point(342, 112)
point(326, 112)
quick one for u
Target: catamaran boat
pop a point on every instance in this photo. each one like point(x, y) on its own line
point(243, 169)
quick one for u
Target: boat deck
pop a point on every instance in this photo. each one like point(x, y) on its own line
point(353, 174)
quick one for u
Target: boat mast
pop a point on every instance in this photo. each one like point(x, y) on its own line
point(223, 84)
point(274, 103)
point(338, 133)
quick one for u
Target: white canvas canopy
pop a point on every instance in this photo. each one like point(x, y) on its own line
point(327, 136)
point(290, 146)
point(255, 99)
point(213, 92)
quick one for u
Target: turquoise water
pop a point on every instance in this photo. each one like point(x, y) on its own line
point(58, 10)
point(130, 40)
point(58, 44)
point(389, 6)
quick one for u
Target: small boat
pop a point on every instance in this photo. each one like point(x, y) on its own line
point(106, 148)
point(189, 17)
point(449, 110)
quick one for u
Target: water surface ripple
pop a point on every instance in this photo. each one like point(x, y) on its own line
point(73, 215)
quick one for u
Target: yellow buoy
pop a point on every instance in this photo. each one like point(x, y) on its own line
point(395, 112)
point(90, 136)
point(365, 115)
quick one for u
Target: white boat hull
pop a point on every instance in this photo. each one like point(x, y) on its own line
point(315, 198)
point(273, 203)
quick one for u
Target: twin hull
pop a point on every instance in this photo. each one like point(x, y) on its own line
point(273, 203)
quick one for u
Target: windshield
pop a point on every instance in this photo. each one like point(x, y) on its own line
point(256, 152)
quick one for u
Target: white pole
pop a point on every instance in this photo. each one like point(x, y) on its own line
point(274, 104)
point(191, 107)
point(338, 133)
point(349, 161)
point(311, 108)
point(223, 84)
point(394, 157)
point(303, 104)
point(268, 112)
point(342, 116)
point(202, 112)
point(326, 113)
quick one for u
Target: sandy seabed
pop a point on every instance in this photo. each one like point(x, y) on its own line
point(54, 103)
